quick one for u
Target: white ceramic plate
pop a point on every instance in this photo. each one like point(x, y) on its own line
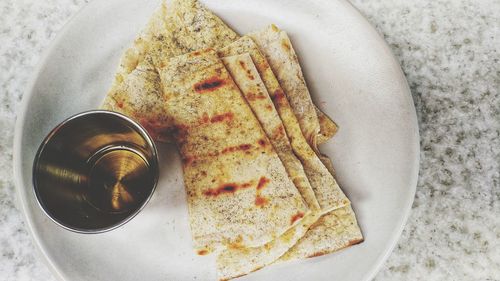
point(352, 76)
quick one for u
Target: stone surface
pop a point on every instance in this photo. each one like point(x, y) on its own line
point(449, 51)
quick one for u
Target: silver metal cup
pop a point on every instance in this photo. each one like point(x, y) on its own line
point(95, 171)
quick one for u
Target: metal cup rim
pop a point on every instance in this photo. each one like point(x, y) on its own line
point(46, 140)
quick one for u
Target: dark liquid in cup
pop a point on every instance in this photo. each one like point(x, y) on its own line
point(119, 180)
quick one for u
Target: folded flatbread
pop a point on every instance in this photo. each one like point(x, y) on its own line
point(338, 228)
point(327, 128)
point(247, 78)
point(254, 77)
point(239, 193)
point(326, 190)
point(332, 232)
point(186, 26)
point(277, 48)
point(237, 261)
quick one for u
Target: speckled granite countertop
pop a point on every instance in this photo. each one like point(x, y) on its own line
point(449, 51)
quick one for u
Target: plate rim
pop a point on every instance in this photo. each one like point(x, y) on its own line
point(20, 185)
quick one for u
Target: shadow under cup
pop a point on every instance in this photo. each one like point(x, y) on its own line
point(95, 171)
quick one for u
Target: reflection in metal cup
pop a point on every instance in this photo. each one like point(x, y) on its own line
point(95, 171)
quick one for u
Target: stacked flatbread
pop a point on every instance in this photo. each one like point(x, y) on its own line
point(259, 190)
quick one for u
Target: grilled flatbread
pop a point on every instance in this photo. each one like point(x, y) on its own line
point(327, 128)
point(240, 261)
point(338, 228)
point(187, 26)
point(332, 232)
point(317, 240)
point(247, 78)
point(277, 48)
point(239, 193)
point(237, 261)
point(326, 190)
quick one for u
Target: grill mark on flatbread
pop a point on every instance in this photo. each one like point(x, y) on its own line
point(263, 181)
point(260, 200)
point(262, 142)
point(295, 217)
point(226, 188)
point(202, 252)
point(243, 147)
point(279, 97)
point(208, 85)
point(246, 147)
point(255, 96)
point(279, 132)
point(219, 117)
point(248, 71)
